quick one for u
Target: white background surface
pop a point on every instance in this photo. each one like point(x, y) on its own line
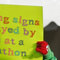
point(51, 8)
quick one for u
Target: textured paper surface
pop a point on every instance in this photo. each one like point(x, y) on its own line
point(12, 34)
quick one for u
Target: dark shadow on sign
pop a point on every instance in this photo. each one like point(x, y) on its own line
point(4, 58)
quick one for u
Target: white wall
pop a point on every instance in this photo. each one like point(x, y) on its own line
point(51, 8)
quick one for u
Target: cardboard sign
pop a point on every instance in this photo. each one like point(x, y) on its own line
point(20, 29)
